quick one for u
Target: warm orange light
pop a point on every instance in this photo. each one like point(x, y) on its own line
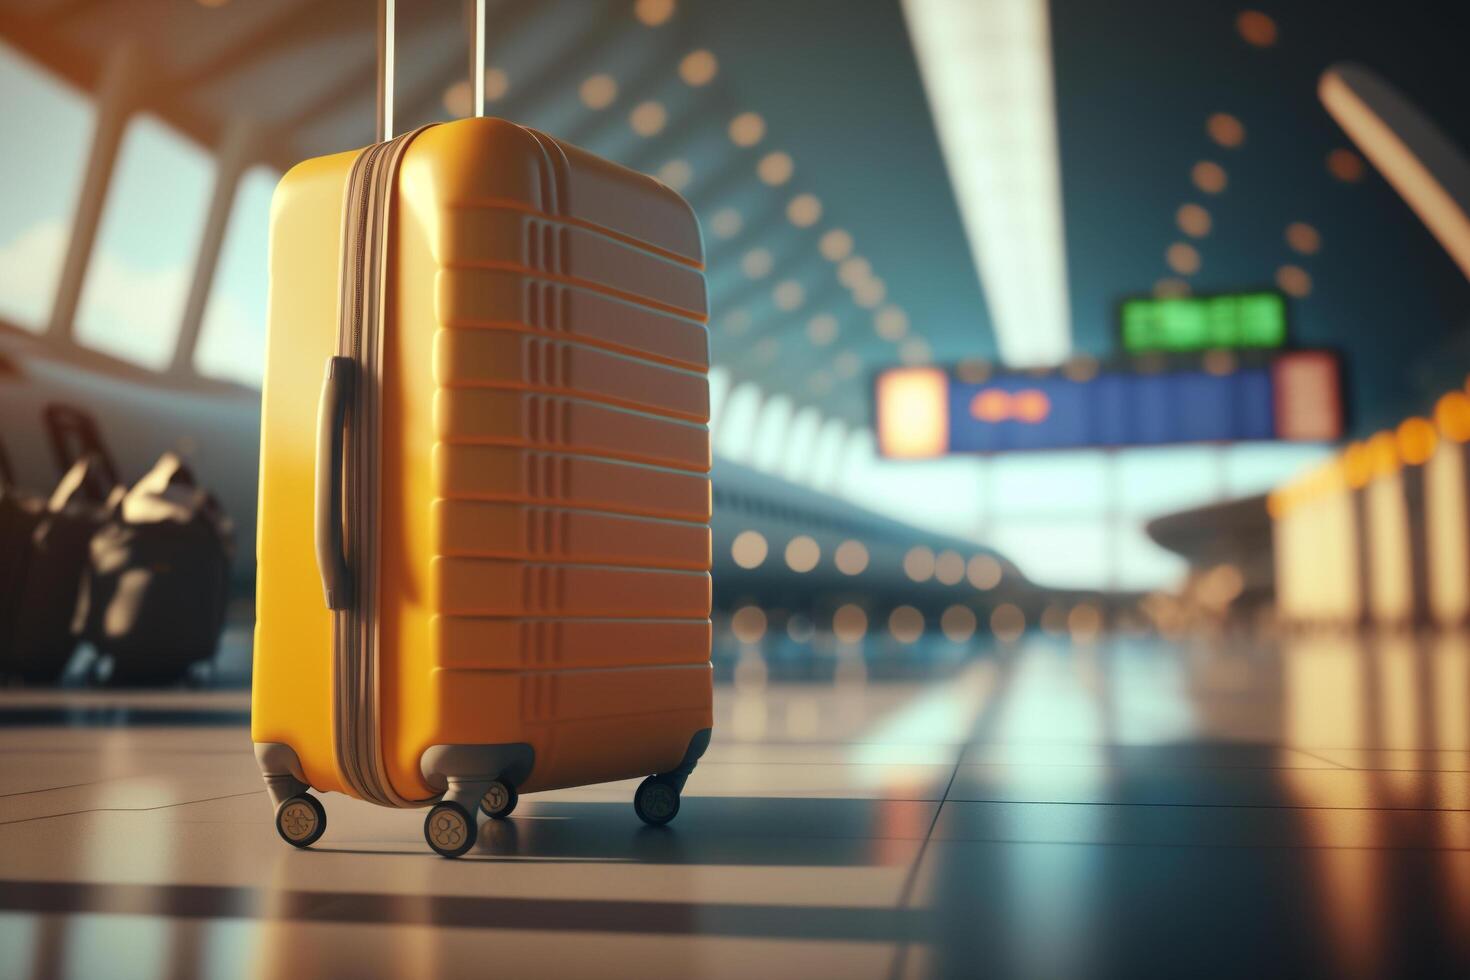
point(1416, 438)
point(998, 405)
point(747, 129)
point(1030, 405)
point(698, 68)
point(1257, 29)
point(1208, 177)
point(1345, 165)
point(1294, 281)
point(913, 413)
point(1225, 129)
point(1193, 220)
point(991, 405)
point(1452, 415)
point(1383, 452)
point(1183, 258)
point(1303, 238)
point(1357, 465)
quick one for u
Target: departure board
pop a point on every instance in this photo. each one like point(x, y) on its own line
point(1295, 396)
point(1228, 321)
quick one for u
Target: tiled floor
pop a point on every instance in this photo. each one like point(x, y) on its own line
point(1130, 808)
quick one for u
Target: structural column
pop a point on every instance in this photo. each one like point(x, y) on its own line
point(236, 152)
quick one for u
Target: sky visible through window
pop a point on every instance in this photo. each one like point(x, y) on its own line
point(143, 261)
point(232, 337)
point(38, 188)
point(138, 279)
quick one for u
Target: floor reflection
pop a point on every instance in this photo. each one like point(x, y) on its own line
point(1125, 806)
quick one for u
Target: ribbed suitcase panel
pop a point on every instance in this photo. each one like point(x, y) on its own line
point(480, 472)
point(587, 725)
point(547, 697)
point(481, 529)
point(493, 237)
point(512, 359)
point(483, 297)
point(493, 587)
point(570, 580)
point(488, 643)
point(491, 415)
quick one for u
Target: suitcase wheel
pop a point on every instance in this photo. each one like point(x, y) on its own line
point(301, 820)
point(499, 800)
point(449, 829)
point(657, 801)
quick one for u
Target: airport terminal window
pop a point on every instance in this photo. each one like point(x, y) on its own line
point(139, 276)
point(1072, 483)
point(48, 128)
point(232, 336)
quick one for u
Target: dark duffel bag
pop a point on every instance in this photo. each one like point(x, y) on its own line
point(19, 514)
point(41, 638)
point(154, 594)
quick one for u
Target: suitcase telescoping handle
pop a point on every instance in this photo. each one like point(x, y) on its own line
point(331, 443)
point(387, 61)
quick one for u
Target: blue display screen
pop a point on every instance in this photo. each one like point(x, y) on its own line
point(1056, 412)
point(1296, 396)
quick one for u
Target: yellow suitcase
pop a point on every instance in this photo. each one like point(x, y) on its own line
point(484, 549)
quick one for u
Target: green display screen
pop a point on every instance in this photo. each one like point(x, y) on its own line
point(1195, 323)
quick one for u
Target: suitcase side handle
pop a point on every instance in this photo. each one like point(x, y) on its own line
point(331, 443)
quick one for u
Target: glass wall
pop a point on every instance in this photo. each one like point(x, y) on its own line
point(232, 336)
point(138, 280)
point(52, 123)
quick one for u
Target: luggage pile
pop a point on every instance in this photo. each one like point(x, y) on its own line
point(140, 574)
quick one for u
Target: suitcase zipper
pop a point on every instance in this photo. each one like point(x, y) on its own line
point(356, 709)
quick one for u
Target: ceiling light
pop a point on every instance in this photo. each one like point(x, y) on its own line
point(648, 118)
point(853, 271)
point(986, 66)
point(869, 293)
point(891, 323)
point(1303, 238)
point(1208, 177)
point(676, 173)
point(653, 12)
point(804, 210)
point(821, 329)
point(725, 223)
point(598, 91)
point(757, 263)
point(775, 168)
point(1193, 220)
point(1226, 130)
point(915, 352)
point(1183, 258)
point(1345, 165)
point(835, 245)
point(698, 68)
point(747, 129)
point(788, 295)
point(1294, 281)
point(1256, 28)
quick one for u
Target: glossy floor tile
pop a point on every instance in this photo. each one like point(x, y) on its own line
point(1129, 808)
